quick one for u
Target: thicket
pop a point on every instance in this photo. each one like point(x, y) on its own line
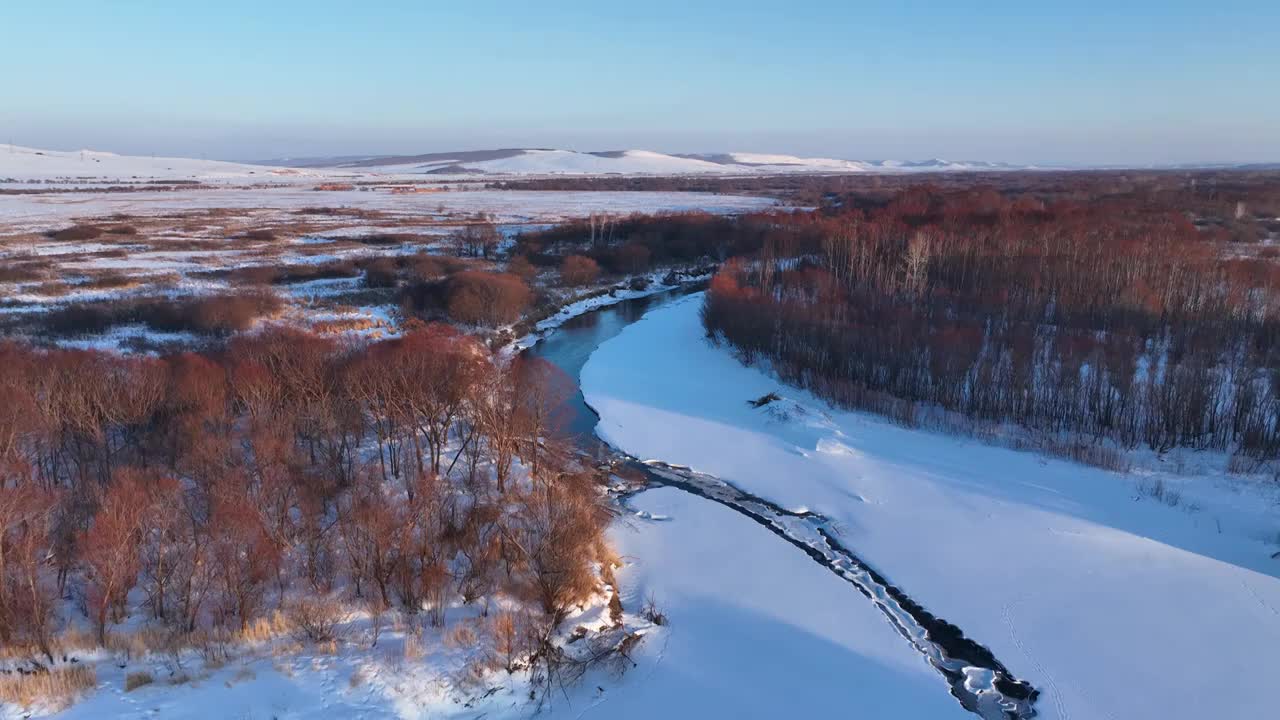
point(218, 314)
point(416, 473)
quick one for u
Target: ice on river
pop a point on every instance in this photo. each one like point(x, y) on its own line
point(1112, 604)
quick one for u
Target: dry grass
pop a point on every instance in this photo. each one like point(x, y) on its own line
point(462, 635)
point(56, 689)
point(267, 628)
point(282, 648)
point(53, 288)
point(244, 674)
point(414, 647)
point(21, 269)
point(135, 680)
point(69, 643)
point(142, 642)
point(111, 280)
point(338, 326)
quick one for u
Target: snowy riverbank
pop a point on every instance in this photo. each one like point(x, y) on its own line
point(1112, 604)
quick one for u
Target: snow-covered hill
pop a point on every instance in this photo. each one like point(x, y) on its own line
point(639, 162)
point(22, 164)
point(30, 164)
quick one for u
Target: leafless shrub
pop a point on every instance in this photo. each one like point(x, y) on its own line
point(522, 268)
point(488, 299)
point(336, 211)
point(578, 270)
point(110, 280)
point(555, 668)
point(385, 238)
point(652, 613)
point(203, 314)
point(52, 289)
point(380, 273)
point(253, 275)
point(377, 618)
point(1241, 464)
point(1091, 454)
point(27, 270)
point(315, 620)
point(76, 233)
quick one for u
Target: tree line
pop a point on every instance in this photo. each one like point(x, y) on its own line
point(1113, 320)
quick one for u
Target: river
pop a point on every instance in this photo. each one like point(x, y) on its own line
point(975, 677)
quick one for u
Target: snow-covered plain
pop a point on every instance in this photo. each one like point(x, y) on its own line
point(34, 212)
point(1112, 604)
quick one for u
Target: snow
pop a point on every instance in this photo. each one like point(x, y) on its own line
point(1112, 604)
point(554, 162)
point(757, 629)
point(85, 167)
point(648, 162)
point(38, 212)
point(784, 163)
point(125, 337)
point(29, 164)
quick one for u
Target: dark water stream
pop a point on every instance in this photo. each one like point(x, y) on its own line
point(977, 680)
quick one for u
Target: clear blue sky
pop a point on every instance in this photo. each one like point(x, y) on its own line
point(1119, 81)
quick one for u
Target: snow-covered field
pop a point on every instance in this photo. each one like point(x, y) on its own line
point(178, 241)
point(1110, 603)
point(32, 212)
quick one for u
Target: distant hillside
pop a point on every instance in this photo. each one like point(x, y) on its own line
point(545, 161)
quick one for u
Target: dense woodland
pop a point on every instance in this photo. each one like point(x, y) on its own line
point(206, 491)
point(1121, 321)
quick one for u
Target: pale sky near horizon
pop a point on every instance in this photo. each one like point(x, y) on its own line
point(1084, 83)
